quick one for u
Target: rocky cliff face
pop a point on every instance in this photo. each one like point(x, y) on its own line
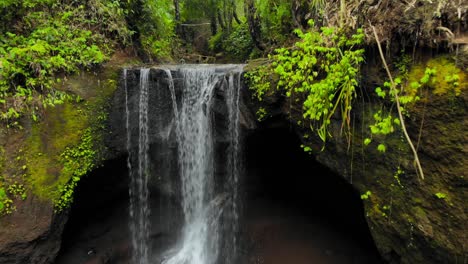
point(161, 125)
point(32, 234)
point(35, 171)
point(411, 220)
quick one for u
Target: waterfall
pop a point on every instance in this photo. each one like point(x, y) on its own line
point(195, 156)
point(203, 204)
point(139, 209)
point(234, 164)
point(210, 209)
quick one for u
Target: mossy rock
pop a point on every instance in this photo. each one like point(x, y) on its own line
point(35, 155)
point(449, 79)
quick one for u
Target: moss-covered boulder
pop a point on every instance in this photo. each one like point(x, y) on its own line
point(42, 161)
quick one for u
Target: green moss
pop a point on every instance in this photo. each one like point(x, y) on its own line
point(449, 79)
point(67, 143)
point(77, 161)
point(419, 212)
point(63, 126)
point(2, 162)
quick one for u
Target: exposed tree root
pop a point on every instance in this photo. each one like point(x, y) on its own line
point(397, 100)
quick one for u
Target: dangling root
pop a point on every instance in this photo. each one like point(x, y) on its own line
point(397, 100)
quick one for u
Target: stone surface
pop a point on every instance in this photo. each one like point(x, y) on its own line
point(30, 157)
point(32, 234)
point(161, 125)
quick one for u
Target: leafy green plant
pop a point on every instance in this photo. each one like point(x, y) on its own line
point(29, 62)
point(77, 161)
point(397, 175)
point(324, 66)
point(6, 204)
point(239, 43)
point(261, 114)
point(17, 190)
point(154, 23)
point(454, 81)
point(259, 81)
point(43, 39)
point(306, 148)
point(441, 195)
point(366, 195)
point(385, 124)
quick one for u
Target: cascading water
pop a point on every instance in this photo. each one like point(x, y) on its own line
point(202, 203)
point(210, 209)
point(234, 163)
point(139, 209)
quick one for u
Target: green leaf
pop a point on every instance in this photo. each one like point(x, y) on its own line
point(367, 141)
point(366, 195)
point(381, 148)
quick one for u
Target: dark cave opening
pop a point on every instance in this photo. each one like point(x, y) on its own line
point(295, 209)
point(303, 202)
point(97, 226)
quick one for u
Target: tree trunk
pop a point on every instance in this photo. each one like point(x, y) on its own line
point(236, 17)
point(213, 24)
point(177, 17)
point(254, 24)
point(221, 21)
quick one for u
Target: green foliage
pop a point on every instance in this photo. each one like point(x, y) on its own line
point(215, 43)
point(77, 161)
point(324, 66)
point(397, 175)
point(154, 21)
point(276, 19)
point(381, 148)
point(384, 121)
point(383, 125)
point(239, 44)
point(306, 148)
point(261, 114)
point(384, 210)
point(367, 141)
point(6, 204)
point(43, 39)
point(53, 41)
point(441, 195)
point(29, 64)
point(17, 190)
point(61, 146)
point(109, 16)
point(366, 195)
point(259, 81)
point(403, 65)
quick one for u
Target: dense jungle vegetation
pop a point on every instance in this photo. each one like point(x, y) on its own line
point(312, 50)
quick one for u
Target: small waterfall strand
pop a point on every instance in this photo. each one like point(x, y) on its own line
point(139, 194)
point(234, 169)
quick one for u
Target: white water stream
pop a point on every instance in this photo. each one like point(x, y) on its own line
point(205, 237)
point(139, 194)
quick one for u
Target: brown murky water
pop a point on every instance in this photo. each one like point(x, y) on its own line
point(281, 235)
